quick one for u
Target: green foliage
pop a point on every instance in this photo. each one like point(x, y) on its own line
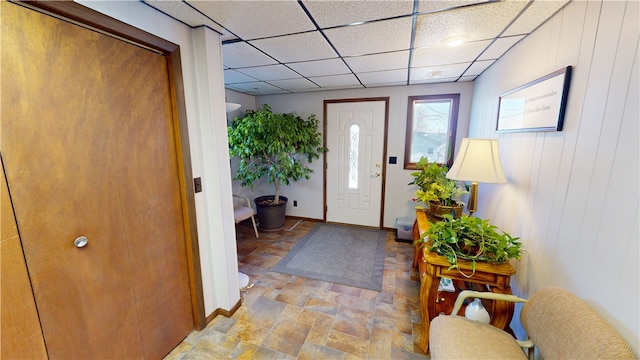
point(275, 146)
point(433, 185)
point(470, 238)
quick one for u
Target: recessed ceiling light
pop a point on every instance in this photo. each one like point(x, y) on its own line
point(455, 40)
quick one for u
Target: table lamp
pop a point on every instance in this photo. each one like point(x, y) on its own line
point(477, 161)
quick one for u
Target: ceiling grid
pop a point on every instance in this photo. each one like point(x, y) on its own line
point(291, 46)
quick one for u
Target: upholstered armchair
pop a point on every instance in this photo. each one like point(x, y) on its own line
point(559, 325)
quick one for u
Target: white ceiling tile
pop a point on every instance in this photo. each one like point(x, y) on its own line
point(443, 55)
point(294, 84)
point(431, 6)
point(445, 72)
point(233, 87)
point(345, 87)
point(275, 91)
point(358, 40)
point(470, 22)
point(233, 76)
point(499, 47)
point(335, 13)
point(297, 47)
point(255, 19)
point(270, 72)
point(433, 80)
point(226, 36)
point(536, 14)
point(238, 55)
point(320, 67)
point(377, 62)
point(478, 67)
point(257, 87)
point(335, 80)
point(382, 77)
point(180, 10)
point(397, 83)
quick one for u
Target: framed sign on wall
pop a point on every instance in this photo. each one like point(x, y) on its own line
point(535, 106)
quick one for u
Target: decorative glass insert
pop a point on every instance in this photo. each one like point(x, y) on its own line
point(354, 150)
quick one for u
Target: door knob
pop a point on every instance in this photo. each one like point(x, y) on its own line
point(376, 174)
point(81, 241)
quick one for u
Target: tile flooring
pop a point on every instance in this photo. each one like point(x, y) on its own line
point(289, 317)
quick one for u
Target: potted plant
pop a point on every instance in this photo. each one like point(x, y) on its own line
point(470, 238)
point(442, 194)
point(277, 147)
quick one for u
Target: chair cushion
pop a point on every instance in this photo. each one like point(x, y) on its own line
point(455, 337)
point(242, 213)
point(564, 327)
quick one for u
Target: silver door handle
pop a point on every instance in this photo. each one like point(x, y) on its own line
point(81, 241)
point(376, 174)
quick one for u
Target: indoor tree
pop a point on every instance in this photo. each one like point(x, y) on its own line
point(278, 147)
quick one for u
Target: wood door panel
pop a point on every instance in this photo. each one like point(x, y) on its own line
point(150, 201)
point(87, 137)
point(62, 184)
point(20, 329)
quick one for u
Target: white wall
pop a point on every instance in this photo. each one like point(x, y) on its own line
point(398, 194)
point(218, 253)
point(204, 95)
point(573, 195)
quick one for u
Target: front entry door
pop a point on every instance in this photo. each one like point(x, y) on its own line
point(355, 162)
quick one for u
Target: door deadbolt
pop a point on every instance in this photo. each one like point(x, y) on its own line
point(81, 241)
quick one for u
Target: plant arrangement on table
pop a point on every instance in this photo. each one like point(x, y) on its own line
point(441, 194)
point(470, 238)
point(278, 147)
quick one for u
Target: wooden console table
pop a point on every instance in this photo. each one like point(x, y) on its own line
point(496, 277)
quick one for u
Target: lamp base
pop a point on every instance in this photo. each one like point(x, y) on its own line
point(473, 198)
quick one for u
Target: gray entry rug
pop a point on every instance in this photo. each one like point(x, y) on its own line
point(345, 255)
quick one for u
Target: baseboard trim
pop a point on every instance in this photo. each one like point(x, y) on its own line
point(302, 218)
point(223, 312)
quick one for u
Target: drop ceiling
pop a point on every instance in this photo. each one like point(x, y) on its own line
point(288, 46)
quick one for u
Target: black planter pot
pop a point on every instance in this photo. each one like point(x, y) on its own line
point(271, 216)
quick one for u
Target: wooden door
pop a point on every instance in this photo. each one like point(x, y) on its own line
point(355, 162)
point(89, 150)
point(20, 329)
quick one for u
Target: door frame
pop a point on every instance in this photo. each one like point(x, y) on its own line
point(84, 16)
point(384, 151)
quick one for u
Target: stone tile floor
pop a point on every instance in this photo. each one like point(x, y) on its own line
point(289, 317)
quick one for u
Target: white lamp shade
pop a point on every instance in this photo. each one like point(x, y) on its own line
point(232, 107)
point(478, 160)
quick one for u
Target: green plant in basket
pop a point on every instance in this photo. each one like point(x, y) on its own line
point(433, 185)
point(470, 238)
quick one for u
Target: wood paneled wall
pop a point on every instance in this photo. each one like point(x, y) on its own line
point(573, 195)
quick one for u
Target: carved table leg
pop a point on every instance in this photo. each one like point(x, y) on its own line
point(502, 310)
point(428, 294)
